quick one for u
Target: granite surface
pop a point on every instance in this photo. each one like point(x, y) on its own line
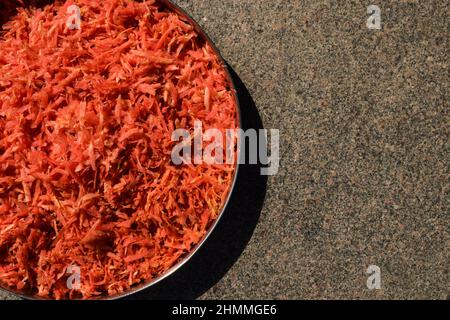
point(363, 116)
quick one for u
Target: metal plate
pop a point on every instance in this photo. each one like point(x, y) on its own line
point(175, 8)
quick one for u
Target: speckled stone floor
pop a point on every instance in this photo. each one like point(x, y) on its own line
point(364, 123)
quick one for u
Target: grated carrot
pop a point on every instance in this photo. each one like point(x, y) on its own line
point(86, 117)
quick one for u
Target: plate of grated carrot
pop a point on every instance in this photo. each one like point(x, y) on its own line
point(91, 204)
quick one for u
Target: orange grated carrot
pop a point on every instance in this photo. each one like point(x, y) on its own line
point(86, 117)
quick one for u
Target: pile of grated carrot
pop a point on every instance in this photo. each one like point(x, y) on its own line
point(86, 117)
